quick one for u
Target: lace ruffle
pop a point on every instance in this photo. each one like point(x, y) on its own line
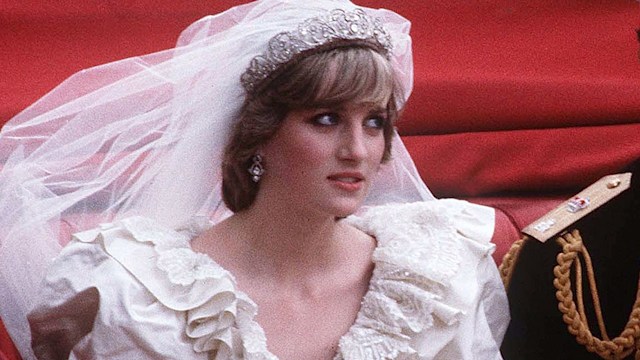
point(222, 323)
point(417, 255)
point(420, 237)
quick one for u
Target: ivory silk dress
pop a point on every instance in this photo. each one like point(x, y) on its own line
point(134, 289)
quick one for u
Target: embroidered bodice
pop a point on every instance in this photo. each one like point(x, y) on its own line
point(418, 301)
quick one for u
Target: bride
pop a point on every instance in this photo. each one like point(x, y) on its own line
point(242, 196)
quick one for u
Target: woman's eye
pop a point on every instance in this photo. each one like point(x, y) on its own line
point(325, 119)
point(376, 122)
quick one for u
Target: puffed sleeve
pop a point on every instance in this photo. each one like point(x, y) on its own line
point(476, 289)
point(69, 301)
point(435, 291)
point(93, 307)
point(480, 330)
point(86, 298)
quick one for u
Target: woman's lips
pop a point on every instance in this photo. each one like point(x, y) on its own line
point(350, 182)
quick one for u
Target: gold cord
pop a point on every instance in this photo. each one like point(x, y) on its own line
point(509, 260)
point(575, 317)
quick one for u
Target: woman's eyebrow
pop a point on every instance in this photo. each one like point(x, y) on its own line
point(377, 109)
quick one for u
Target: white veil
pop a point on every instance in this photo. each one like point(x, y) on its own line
point(144, 136)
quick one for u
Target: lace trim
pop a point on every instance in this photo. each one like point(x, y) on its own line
point(420, 237)
point(224, 326)
point(417, 255)
point(184, 267)
point(392, 313)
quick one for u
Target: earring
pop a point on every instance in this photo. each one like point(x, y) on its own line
point(256, 169)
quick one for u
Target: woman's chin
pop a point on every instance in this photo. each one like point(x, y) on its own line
point(346, 208)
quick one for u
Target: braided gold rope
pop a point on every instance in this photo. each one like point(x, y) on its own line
point(629, 339)
point(509, 260)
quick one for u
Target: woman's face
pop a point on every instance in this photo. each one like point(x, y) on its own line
point(325, 159)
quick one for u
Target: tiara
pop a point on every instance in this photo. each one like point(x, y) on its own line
point(338, 25)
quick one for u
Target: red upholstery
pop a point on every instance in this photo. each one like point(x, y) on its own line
point(7, 350)
point(516, 104)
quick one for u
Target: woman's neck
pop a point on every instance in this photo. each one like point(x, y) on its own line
point(289, 244)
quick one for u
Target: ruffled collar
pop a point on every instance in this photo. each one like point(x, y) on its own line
point(416, 255)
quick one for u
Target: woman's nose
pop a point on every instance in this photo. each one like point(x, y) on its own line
point(353, 143)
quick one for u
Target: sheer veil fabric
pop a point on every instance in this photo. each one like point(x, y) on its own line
point(145, 136)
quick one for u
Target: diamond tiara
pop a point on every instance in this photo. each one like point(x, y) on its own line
point(333, 28)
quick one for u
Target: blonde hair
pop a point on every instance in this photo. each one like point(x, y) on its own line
point(319, 80)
